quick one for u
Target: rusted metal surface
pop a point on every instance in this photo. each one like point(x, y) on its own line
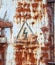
point(25, 9)
point(27, 54)
point(5, 24)
point(3, 47)
point(28, 50)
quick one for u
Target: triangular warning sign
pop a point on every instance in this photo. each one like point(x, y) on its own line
point(25, 30)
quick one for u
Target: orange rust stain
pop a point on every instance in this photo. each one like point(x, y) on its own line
point(33, 23)
point(44, 48)
point(45, 55)
point(20, 9)
point(35, 17)
point(32, 59)
point(44, 29)
point(20, 4)
point(20, 59)
point(25, 7)
point(35, 5)
point(27, 10)
point(41, 33)
point(2, 52)
point(44, 5)
point(29, 56)
point(26, 4)
point(37, 0)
